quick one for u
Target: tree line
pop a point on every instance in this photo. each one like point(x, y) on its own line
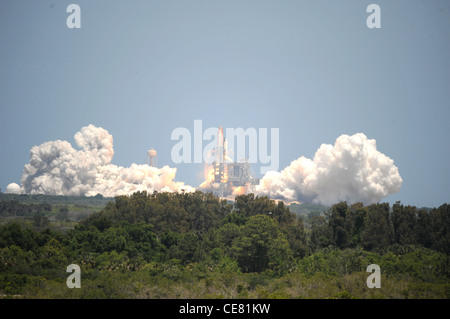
point(161, 233)
point(255, 233)
point(16, 208)
point(377, 227)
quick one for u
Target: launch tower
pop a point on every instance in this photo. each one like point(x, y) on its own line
point(230, 174)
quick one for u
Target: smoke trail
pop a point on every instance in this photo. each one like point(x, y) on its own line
point(56, 168)
point(352, 170)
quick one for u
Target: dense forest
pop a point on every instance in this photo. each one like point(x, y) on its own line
point(196, 245)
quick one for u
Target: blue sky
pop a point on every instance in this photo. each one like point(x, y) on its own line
point(313, 69)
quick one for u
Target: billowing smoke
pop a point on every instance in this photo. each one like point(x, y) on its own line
point(352, 170)
point(56, 168)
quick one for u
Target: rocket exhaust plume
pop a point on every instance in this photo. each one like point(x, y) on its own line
point(56, 168)
point(223, 177)
point(352, 170)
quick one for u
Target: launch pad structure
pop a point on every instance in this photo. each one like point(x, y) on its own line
point(229, 175)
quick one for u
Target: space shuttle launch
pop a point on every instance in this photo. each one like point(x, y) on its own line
point(220, 169)
point(220, 152)
point(228, 176)
point(350, 170)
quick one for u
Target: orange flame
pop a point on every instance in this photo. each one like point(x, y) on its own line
point(239, 190)
point(209, 174)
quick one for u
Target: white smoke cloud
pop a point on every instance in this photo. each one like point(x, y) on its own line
point(56, 168)
point(352, 170)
